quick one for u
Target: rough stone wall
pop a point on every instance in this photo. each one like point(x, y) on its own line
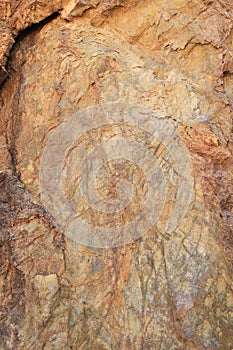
point(162, 291)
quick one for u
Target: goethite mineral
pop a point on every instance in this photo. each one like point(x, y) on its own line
point(115, 175)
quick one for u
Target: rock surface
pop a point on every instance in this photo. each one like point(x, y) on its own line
point(163, 290)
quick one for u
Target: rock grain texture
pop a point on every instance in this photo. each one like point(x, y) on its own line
point(162, 291)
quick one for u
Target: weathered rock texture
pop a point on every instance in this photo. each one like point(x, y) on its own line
point(161, 291)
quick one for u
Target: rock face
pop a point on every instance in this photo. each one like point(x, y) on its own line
point(159, 75)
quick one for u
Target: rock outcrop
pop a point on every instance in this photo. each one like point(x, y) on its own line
point(167, 289)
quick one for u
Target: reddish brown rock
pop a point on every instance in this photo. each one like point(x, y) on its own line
point(172, 62)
